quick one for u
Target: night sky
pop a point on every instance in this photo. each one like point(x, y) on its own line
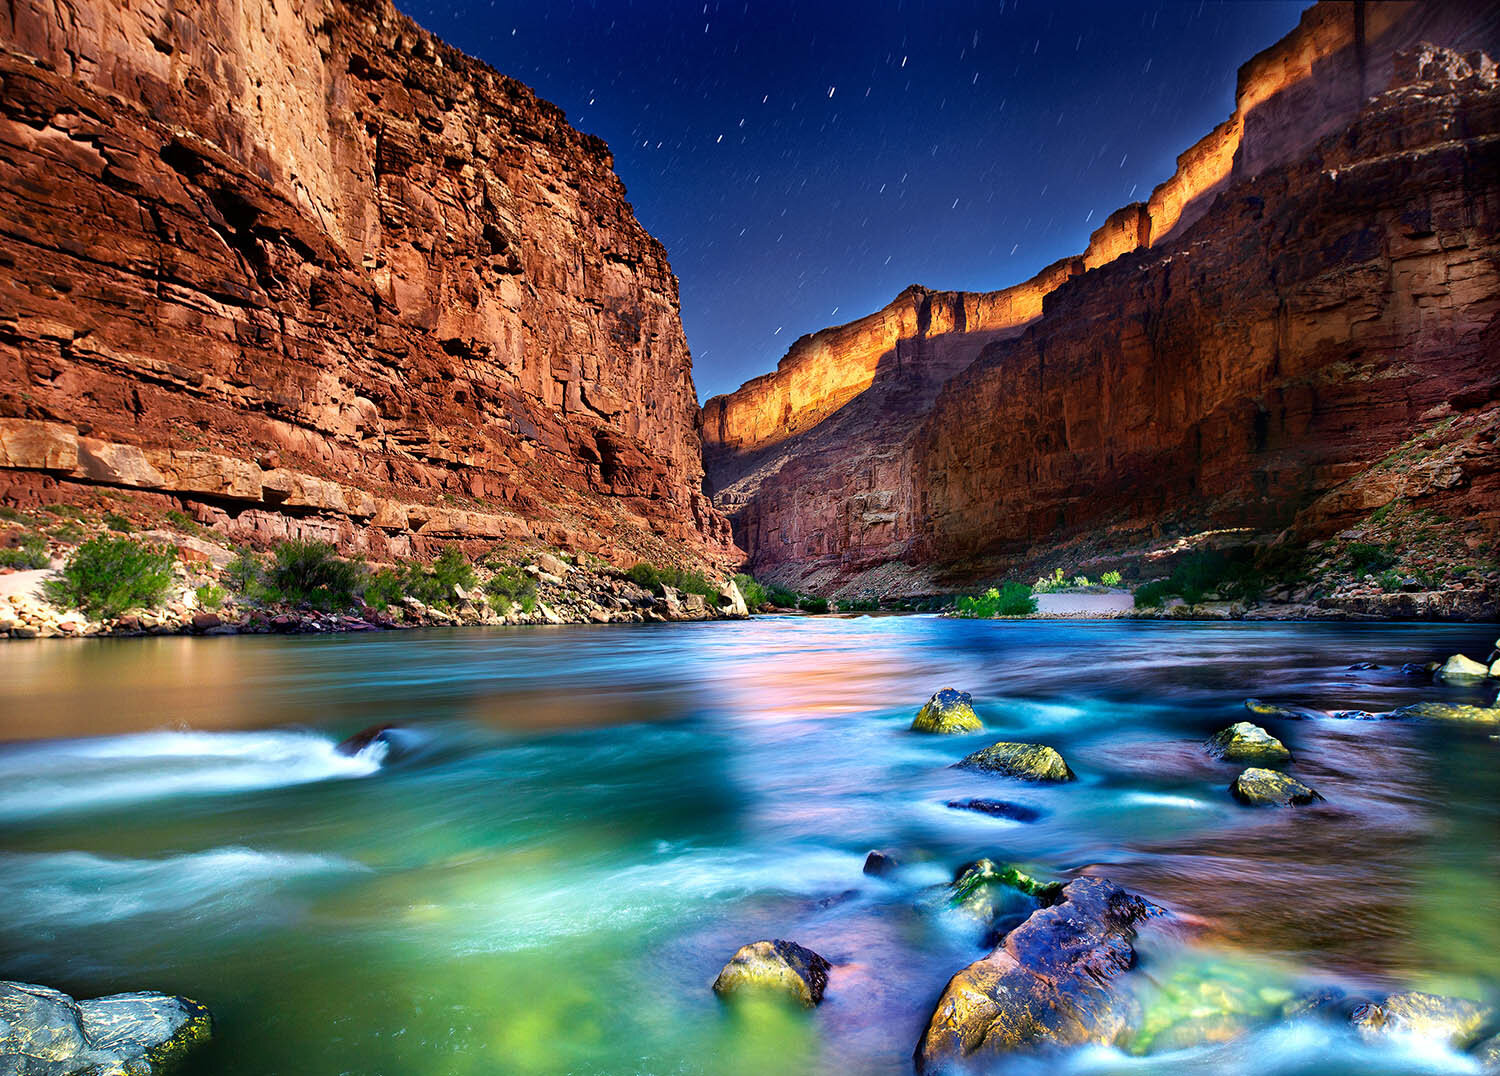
point(804, 162)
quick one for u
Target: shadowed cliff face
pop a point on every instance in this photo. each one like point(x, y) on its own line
point(1269, 325)
point(314, 272)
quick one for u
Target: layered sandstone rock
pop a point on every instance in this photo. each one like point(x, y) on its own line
point(309, 270)
point(1184, 360)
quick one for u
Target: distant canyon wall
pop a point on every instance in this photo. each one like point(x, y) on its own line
point(306, 269)
point(1177, 365)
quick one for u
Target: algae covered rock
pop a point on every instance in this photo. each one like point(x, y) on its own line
point(1462, 670)
point(44, 1032)
point(1244, 742)
point(1028, 761)
point(974, 884)
point(1199, 1001)
point(1455, 1022)
point(948, 712)
point(1266, 788)
point(1261, 708)
point(775, 968)
point(1447, 711)
point(1053, 981)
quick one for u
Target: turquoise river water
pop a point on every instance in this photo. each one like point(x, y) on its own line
point(578, 826)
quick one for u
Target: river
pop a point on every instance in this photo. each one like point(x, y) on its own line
point(577, 826)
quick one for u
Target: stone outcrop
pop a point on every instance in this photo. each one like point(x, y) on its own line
point(43, 1032)
point(775, 968)
point(1316, 283)
point(307, 271)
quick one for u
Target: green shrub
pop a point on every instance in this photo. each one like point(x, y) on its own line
point(862, 604)
point(180, 521)
point(67, 532)
point(1152, 595)
point(1010, 599)
point(1390, 580)
point(384, 588)
point(1051, 584)
point(1365, 558)
point(209, 595)
point(15, 515)
point(509, 587)
point(116, 522)
point(311, 572)
point(755, 595)
point(106, 576)
point(63, 511)
point(30, 554)
point(1081, 581)
point(653, 578)
point(438, 584)
point(1111, 579)
point(243, 573)
point(809, 604)
point(781, 598)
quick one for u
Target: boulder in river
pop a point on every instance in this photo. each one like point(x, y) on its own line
point(948, 712)
point(1053, 981)
point(775, 968)
point(1449, 711)
point(44, 1032)
point(1245, 742)
point(1261, 708)
point(375, 734)
point(881, 864)
point(986, 872)
point(1462, 670)
point(1016, 812)
point(1258, 787)
point(1028, 761)
point(1454, 1022)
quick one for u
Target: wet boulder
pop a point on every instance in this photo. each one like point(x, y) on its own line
point(948, 712)
point(1446, 711)
point(1267, 788)
point(973, 883)
point(1454, 1022)
point(1027, 761)
point(383, 735)
point(775, 968)
point(44, 1032)
point(1245, 742)
point(1462, 670)
point(1261, 708)
point(881, 864)
point(1016, 812)
point(1055, 980)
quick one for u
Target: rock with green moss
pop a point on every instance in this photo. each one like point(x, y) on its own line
point(44, 1032)
point(1261, 708)
point(1257, 787)
point(1028, 761)
point(1244, 742)
point(1455, 1022)
point(980, 888)
point(1055, 980)
point(1449, 711)
point(1462, 670)
point(776, 969)
point(948, 712)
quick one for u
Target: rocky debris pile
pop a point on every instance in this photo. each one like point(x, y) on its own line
point(44, 1032)
point(948, 712)
point(775, 968)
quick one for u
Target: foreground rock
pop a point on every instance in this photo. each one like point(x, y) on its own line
point(1027, 761)
point(1462, 670)
point(1267, 788)
point(1053, 982)
point(1244, 742)
point(948, 712)
point(775, 968)
point(44, 1032)
point(1455, 1022)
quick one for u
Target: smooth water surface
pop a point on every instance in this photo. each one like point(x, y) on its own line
point(578, 826)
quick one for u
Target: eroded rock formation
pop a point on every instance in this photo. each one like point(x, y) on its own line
point(307, 270)
point(1315, 286)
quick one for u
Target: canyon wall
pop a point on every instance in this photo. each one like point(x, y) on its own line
point(303, 269)
point(1148, 352)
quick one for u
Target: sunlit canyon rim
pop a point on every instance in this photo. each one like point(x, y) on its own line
point(1312, 291)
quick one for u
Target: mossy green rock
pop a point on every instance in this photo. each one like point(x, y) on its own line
point(1455, 1022)
point(979, 888)
point(1447, 711)
point(1244, 742)
point(1266, 788)
point(1261, 708)
point(1028, 761)
point(1462, 670)
point(775, 968)
point(43, 1032)
point(948, 712)
point(1205, 1001)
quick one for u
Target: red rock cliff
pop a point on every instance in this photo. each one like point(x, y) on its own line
point(309, 270)
point(1115, 395)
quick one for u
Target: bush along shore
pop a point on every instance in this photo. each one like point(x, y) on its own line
point(105, 577)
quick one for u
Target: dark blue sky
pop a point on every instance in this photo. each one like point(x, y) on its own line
point(804, 162)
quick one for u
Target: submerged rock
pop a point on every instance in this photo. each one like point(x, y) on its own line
point(1054, 981)
point(881, 864)
point(948, 712)
point(1016, 812)
point(1363, 666)
point(1447, 711)
point(1244, 742)
point(1420, 668)
point(1461, 670)
point(1201, 1001)
point(1487, 1056)
point(44, 1032)
point(1267, 788)
point(381, 734)
point(971, 881)
point(1028, 761)
point(777, 968)
point(1262, 708)
point(1455, 1022)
